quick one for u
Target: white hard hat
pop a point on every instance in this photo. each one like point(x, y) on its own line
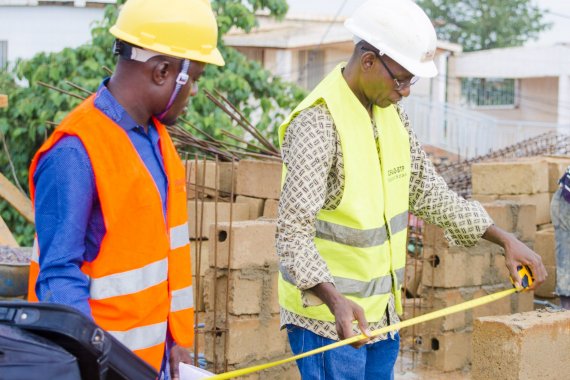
point(401, 30)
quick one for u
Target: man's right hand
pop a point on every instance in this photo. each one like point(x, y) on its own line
point(345, 312)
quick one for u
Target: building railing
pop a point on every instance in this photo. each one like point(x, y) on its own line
point(468, 133)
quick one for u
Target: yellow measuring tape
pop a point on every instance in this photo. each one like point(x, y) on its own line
point(422, 318)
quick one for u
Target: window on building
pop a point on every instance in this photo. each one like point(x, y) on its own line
point(3, 55)
point(311, 68)
point(489, 92)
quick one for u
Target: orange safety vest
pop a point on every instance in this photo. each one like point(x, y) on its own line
point(141, 280)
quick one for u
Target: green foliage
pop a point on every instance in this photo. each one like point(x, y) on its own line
point(255, 91)
point(485, 24)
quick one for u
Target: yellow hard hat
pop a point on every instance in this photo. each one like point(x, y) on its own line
point(178, 28)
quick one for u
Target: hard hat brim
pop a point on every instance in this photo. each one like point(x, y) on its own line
point(213, 56)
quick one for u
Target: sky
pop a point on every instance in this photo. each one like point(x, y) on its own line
point(560, 15)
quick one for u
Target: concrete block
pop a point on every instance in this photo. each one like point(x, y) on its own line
point(546, 290)
point(260, 179)
point(556, 167)
point(245, 291)
point(540, 200)
point(201, 176)
point(249, 339)
point(271, 301)
point(446, 352)
point(207, 213)
point(434, 237)
point(250, 244)
point(533, 345)
point(545, 246)
point(412, 276)
point(484, 198)
point(519, 219)
point(457, 266)
point(255, 205)
point(521, 302)
point(271, 209)
point(199, 250)
point(517, 177)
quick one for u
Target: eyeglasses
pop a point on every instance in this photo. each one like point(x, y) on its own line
point(399, 84)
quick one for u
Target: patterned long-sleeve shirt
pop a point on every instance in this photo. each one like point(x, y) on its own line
point(312, 152)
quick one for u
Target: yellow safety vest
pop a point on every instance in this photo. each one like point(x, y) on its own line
point(363, 240)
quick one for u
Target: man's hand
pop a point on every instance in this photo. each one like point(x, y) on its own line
point(517, 253)
point(345, 312)
point(178, 355)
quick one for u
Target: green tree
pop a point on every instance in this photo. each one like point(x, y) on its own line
point(26, 123)
point(485, 24)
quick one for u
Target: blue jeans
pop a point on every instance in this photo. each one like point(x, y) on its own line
point(560, 212)
point(370, 362)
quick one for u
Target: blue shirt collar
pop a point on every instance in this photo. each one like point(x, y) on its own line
point(106, 103)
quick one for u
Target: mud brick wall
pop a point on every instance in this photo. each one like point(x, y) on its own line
point(452, 275)
point(533, 345)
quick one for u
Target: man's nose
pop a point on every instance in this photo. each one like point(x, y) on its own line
point(405, 92)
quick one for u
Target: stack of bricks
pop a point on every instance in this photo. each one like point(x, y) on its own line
point(526, 181)
point(532, 345)
point(452, 275)
point(233, 220)
point(517, 196)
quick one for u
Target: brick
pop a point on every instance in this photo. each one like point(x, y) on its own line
point(556, 167)
point(540, 200)
point(446, 352)
point(249, 339)
point(545, 246)
point(3, 101)
point(271, 209)
point(260, 179)
point(199, 248)
point(514, 217)
point(433, 237)
point(256, 205)
point(203, 181)
point(211, 214)
point(533, 345)
point(518, 177)
point(439, 298)
point(413, 276)
point(484, 198)
point(546, 290)
point(252, 244)
point(521, 302)
point(457, 266)
point(245, 291)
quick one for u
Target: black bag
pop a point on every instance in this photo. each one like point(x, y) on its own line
point(25, 356)
point(98, 354)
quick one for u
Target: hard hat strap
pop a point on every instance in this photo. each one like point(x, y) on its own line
point(181, 80)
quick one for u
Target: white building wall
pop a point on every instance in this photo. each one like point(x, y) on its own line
point(30, 30)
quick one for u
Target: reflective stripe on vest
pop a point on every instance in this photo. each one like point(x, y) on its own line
point(143, 337)
point(179, 236)
point(182, 299)
point(133, 281)
point(360, 238)
point(359, 289)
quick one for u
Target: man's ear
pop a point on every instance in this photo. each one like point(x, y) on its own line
point(367, 60)
point(161, 72)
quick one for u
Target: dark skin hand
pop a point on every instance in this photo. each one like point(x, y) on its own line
point(178, 355)
point(517, 253)
point(345, 312)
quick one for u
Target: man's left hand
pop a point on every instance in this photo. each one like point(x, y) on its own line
point(516, 254)
point(178, 355)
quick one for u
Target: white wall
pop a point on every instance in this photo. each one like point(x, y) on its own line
point(30, 30)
